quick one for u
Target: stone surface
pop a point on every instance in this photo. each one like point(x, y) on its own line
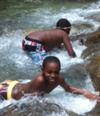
point(94, 16)
point(92, 54)
point(35, 108)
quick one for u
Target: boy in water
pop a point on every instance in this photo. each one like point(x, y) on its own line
point(43, 41)
point(45, 82)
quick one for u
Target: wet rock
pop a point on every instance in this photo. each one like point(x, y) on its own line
point(95, 111)
point(80, 75)
point(94, 69)
point(35, 108)
point(92, 57)
point(93, 45)
point(92, 54)
point(94, 16)
point(81, 27)
point(98, 30)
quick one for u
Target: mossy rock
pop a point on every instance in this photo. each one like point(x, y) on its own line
point(94, 16)
point(93, 38)
point(92, 54)
point(93, 45)
point(94, 69)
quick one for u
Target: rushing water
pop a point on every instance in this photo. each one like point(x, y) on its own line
point(19, 17)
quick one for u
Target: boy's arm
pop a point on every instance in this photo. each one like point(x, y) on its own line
point(75, 90)
point(68, 46)
point(37, 86)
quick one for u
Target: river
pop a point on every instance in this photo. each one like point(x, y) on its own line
point(18, 18)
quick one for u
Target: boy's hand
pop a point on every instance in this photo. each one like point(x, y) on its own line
point(92, 96)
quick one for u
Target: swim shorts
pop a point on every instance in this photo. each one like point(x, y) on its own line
point(34, 49)
point(7, 88)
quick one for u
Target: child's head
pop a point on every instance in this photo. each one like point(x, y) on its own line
point(51, 68)
point(50, 59)
point(63, 24)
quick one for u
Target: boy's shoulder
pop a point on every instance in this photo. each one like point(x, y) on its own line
point(61, 78)
point(39, 78)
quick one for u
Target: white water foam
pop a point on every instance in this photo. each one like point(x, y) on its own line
point(6, 103)
point(78, 15)
point(66, 60)
point(11, 46)
point(76, 103)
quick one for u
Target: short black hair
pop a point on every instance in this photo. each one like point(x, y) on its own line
point(63, 23)
point(51, 59)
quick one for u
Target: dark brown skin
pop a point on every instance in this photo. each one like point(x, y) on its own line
point(54, 38)
point(49, 79)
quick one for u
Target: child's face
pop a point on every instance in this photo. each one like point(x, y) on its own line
point(51, 71)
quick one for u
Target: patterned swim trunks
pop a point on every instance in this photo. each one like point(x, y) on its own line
point(34, 49)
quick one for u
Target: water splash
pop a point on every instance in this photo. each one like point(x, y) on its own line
point(76, 103)
point(65, 59)
point(50, 105)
